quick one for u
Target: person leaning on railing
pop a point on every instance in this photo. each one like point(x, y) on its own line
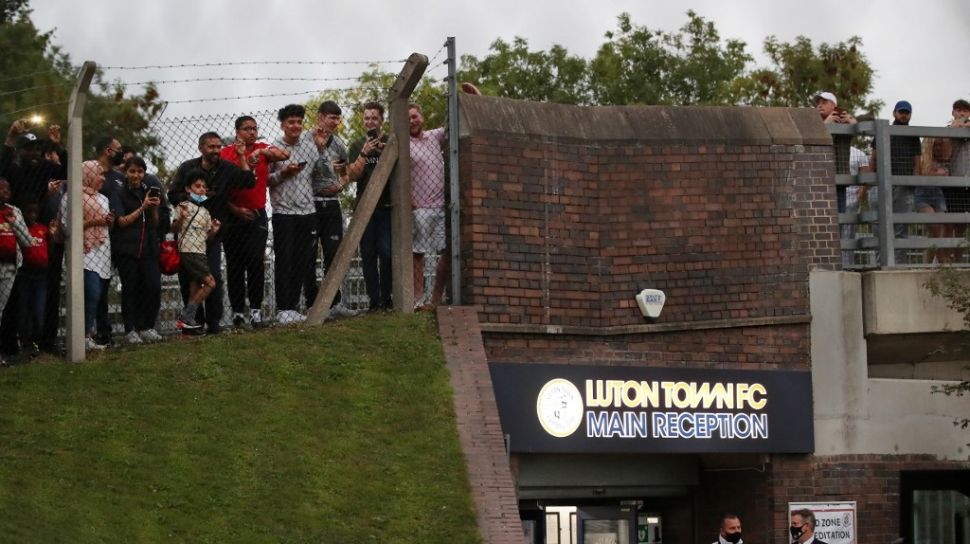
point(958, 151)
point(960, 155)
point(934, 161)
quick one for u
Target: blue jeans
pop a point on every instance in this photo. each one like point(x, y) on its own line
point(375, 258)
point(93, 286)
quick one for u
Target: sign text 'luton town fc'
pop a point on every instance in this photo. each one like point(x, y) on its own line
point(564, 408)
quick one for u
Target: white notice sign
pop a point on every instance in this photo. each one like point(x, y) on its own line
point(835, 521)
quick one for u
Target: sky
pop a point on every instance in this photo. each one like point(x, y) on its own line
point(918, 49)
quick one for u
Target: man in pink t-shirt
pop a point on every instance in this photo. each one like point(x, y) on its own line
point(246, 225)
point(427, 193)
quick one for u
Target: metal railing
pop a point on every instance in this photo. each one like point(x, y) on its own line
point(890, 232)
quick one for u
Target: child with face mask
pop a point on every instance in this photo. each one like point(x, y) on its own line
point(194, 226)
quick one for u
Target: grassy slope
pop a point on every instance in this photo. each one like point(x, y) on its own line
point(341, 433)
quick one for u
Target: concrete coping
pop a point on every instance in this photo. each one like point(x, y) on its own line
point(745, 125)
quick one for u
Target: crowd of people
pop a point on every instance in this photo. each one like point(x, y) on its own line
point(909, 156)
point(225, 201)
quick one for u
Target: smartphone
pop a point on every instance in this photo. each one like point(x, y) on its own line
point(154, 192)
point(371, 133)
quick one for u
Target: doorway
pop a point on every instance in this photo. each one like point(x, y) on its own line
point(599, 524)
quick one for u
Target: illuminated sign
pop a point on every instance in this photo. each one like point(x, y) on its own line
point(584, 409)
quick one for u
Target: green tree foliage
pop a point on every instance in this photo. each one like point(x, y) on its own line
point(642, 66)
point(693, 65)
point(11, 10)
point(799, 70)
point(36, 78)
point(513, 71)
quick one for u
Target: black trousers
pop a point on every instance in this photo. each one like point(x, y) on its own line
point(141, 291)
point(330, 231)
point(245, 245)
point(52, 307)
point(294, 243)
point(375, 258)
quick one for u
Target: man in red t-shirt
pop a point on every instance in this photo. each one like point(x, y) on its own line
point(246, 225)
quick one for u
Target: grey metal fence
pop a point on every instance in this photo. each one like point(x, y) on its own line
point(926, 172)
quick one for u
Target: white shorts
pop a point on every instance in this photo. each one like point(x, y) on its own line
point(429, 230)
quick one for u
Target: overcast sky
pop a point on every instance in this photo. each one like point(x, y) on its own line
point(918, 49)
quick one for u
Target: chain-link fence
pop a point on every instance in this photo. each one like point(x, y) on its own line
point(228, 221)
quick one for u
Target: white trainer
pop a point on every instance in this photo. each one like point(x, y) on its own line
point(342, 311)
point(150, 336)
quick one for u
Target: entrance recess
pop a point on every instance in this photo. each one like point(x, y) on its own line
point(607, 525)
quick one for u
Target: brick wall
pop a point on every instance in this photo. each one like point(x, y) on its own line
point(873, 481)
point(565, 231)
point(750, 348)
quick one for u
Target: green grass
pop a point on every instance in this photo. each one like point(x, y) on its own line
point(343, 433)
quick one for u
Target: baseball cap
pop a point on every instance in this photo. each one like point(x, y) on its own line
point(825, 96)
point(25, 139)
point(903, 105)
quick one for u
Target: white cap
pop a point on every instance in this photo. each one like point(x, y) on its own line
point(826, 96)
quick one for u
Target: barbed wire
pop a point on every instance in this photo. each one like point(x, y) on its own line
point(28, 89)
point(207, 79)
point(272, 95)
point(34, 107)
point(438, 54)
point(252, 63)
point(30, 74)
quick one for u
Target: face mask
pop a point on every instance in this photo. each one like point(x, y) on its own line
point(198, 199)
point(118, 158)
point(734, 538)
point(796, 531)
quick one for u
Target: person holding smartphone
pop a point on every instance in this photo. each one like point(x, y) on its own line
point(246, 227)
point(134, 244)
point(375, 244)
point(294, 215)
point(329, 177)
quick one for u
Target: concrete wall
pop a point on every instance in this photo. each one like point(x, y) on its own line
point(897, 302)
point(855, 414)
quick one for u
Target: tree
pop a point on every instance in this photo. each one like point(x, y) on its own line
point(11, 10)
point(513, 71)
point(693, 65)
point(798, 72)
point(38, 79)
point(642, 66)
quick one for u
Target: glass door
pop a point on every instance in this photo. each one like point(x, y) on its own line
point(607, 525)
